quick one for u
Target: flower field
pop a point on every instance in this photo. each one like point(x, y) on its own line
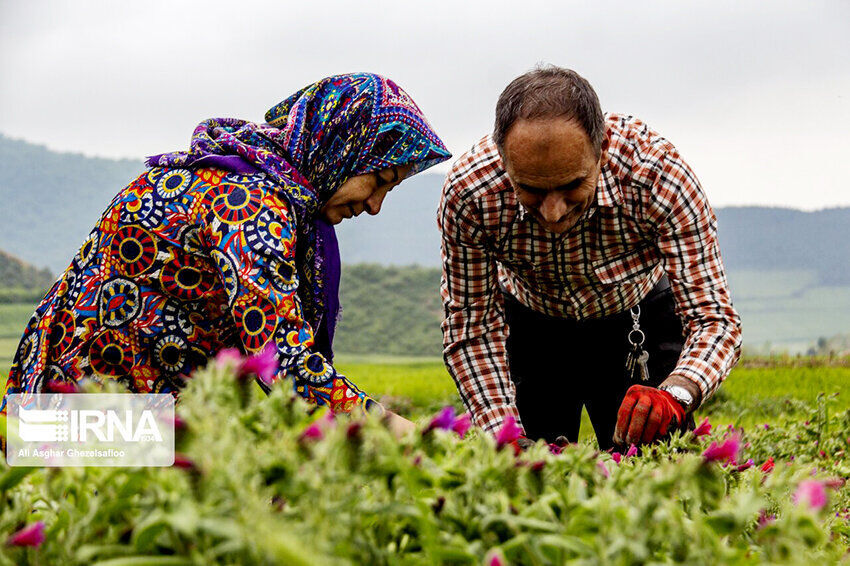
point(269, 480)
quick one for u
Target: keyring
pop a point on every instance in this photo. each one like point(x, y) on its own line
point(638, 342)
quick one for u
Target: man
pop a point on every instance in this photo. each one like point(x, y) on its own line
point(576, 244)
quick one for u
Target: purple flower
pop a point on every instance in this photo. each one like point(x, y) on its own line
point(555, 449)
point(766, 427)
point(725, 452)
point(461, 424)
point(632, 451)
point(616, 456)
point(31, 535)
point(509, 432)
point(703, 428)
point(264, 365)
point(746, 465)
point(442, 420)
point(811, 493)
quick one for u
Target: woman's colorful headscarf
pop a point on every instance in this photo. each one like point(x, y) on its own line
point(337, 128)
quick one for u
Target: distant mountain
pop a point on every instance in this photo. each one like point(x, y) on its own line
point(789, 270)
point(15, 273)
point(51, 200)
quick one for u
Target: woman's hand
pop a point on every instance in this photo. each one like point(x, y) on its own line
point(398, 425)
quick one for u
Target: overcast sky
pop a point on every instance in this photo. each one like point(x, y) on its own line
point(756, 95)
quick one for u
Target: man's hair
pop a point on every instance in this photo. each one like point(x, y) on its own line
point(548, 91)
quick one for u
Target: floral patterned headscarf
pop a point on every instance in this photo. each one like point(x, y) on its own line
point(316, 139)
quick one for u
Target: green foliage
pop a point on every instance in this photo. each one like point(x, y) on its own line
point(254, 490)
point(390, 310)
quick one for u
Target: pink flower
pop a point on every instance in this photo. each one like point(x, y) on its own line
point(766, 427)
point(495, 558)
point(443, 420)
point(745, 466)
point(603, 469)
point(538, 466)
point(354, 431)
point(184, 462)
point(57, 386)
point(632, 451)
point(509, 432)
point(229, 357)
point(811, 493)
point(765, 519)
point(726, 452)
point(555, 449)
point(768, 465)
point(703, 428)
point(616, 456)
point(461, 424)
point(313, 432)
point(264, 365)
point(31, 535)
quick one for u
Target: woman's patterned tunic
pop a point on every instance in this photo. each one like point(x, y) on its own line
point(182, 264)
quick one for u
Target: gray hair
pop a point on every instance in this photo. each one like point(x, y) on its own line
point(548, 91)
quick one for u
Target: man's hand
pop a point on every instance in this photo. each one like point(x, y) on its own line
point(646, 414)
point(398, 425)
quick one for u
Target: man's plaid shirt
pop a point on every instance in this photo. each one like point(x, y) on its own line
point(650, 216)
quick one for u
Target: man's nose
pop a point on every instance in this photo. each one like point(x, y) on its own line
point(553, 208)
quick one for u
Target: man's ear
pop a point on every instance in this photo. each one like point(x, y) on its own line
point(603, 153)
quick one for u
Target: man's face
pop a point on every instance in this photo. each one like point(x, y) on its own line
point(553, 170)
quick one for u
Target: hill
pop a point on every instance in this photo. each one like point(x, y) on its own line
point(789, 270)
point(51, 200)
point(15, 272)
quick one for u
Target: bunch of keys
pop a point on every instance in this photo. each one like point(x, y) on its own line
point(638, 358)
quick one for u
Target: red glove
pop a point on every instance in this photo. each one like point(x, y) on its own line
point(646, 414)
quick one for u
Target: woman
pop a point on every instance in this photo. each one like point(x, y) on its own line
point(231, 244)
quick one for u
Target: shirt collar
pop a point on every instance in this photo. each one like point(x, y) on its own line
point(608, 191)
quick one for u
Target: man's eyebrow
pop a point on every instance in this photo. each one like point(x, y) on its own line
point(571, 185)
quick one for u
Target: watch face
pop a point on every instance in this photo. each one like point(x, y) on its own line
point(681, 394)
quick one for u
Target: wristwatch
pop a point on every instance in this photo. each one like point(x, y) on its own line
point(681, 395)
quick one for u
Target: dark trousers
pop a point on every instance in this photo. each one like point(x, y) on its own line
point(559, 365)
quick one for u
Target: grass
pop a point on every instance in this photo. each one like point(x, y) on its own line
point(418, 386)
point(750, 396)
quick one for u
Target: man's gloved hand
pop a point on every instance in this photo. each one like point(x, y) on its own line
point(522, 444)
point(646, 414)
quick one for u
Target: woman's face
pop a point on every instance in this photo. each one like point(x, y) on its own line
point(362, 193)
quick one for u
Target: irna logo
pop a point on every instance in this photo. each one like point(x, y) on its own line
point(37, 425)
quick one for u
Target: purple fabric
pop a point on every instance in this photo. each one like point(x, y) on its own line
point(331, 264)
point(227, 162)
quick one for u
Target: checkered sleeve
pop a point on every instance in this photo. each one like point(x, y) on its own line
point(687, 239)
point(474, 329)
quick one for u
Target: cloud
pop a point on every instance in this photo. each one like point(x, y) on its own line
point(739, 84)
